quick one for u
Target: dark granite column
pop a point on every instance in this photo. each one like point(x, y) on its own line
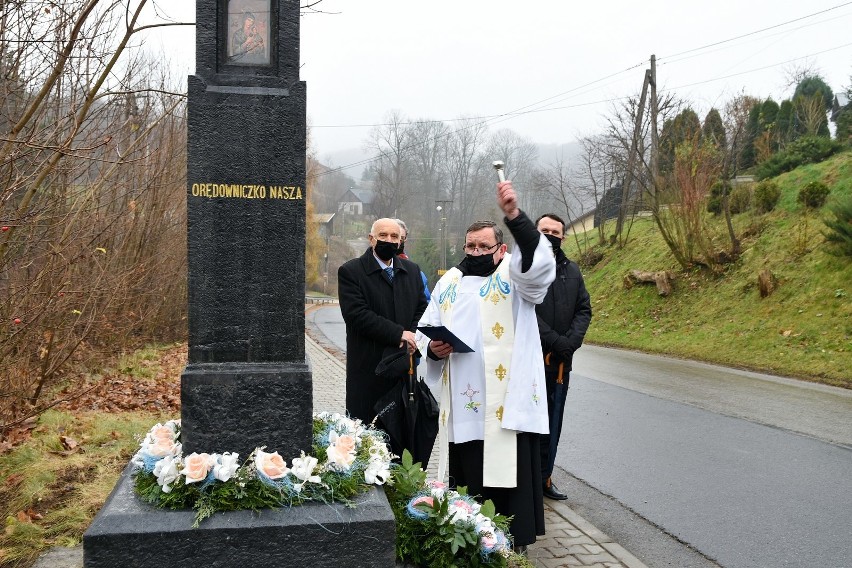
point(247, 382)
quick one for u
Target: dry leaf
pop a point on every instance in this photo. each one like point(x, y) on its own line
point(68, 442)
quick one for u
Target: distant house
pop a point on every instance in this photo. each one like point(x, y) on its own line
point(325, 223)
point(582, 224)
point(841, 102)
point(356, 202)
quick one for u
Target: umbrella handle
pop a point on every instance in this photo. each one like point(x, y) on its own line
point(411, 378)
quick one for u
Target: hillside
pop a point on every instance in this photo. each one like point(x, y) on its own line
point(803, 329)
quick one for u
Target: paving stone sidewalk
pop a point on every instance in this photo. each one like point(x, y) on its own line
point(571, 541)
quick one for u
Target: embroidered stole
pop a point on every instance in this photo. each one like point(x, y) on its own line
point(499, 468)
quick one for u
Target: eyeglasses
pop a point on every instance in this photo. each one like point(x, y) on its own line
point(471, 248)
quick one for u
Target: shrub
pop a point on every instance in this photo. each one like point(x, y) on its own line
point(766, 196)
point(805, 150)
point(717, 193)
point(813, 195)
point(740, 200)
point(840, 228)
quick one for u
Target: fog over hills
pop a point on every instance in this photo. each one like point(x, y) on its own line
point(355, 160)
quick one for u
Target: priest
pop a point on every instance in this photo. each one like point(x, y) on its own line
point(493, 400)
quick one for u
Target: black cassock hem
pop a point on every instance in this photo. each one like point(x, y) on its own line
point(525, 502)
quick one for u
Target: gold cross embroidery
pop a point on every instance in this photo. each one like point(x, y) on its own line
point(498, 330)
point(500, 414)
point(500, 372)
point(444, 418)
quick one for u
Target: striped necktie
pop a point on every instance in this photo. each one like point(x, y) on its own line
point(389, 273)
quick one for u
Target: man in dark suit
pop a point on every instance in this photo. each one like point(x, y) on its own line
point(563, 318)
point(381, 299)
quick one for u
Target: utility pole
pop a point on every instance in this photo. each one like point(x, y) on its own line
point(655, 141)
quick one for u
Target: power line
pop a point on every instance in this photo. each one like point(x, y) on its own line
point(540, 105)
point(755, 32)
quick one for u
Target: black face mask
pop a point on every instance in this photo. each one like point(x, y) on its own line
point(481, 265)
point(401, 247)
point(555, 242)
point(385, 250)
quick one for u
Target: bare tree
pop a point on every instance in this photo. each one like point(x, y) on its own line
point(797, 72)
point(428, 141)
point(392, 166)
point(462, 160)
point(621, 124)
point(92, 155)
point(520, 156)
point(596, 174)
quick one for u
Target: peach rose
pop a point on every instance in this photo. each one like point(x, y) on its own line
point(196, 467)
point(345, 443)
point(341, 450)
point(271, 465)
point(159, 432)
point(161, 447)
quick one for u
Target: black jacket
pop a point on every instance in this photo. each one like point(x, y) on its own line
point(376, 313)
point(565, 313)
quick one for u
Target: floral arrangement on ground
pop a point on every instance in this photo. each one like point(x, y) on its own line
point(354, 457)
point(436, 526)
point(440, 527)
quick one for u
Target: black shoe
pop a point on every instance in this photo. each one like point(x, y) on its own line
point(551, 492)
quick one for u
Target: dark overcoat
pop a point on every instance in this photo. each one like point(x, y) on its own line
point(565, 313)
point(376, 312)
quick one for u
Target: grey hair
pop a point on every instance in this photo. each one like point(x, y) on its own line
point(402, 226)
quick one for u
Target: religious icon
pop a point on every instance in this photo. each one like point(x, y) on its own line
point(248, 32)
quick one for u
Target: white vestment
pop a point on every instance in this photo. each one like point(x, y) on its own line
point(499, 389)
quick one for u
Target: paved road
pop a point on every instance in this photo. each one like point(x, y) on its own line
point(742, 493)
point(749, 469)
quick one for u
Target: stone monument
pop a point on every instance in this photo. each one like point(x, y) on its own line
point(247, 382)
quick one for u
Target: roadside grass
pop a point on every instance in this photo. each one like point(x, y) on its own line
point(54, 482)
point(803, 329)
point(50, 493)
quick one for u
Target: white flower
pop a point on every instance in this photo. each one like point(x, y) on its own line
point(303, 467)
point(226, 465)
point(138, 460)
point(377, 472)
point(460, 510)
point(167, 473)
point(271, 465)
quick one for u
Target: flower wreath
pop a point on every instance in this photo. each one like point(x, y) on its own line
point(436, 526)
point(353, 458)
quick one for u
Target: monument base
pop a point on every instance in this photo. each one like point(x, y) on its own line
point(237, 407)
point(129, 533)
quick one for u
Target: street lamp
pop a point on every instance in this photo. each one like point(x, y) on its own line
point(442, 210)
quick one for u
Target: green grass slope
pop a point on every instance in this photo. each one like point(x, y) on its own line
point(803, 329)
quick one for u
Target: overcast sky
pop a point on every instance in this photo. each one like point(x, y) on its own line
point(443, 59)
